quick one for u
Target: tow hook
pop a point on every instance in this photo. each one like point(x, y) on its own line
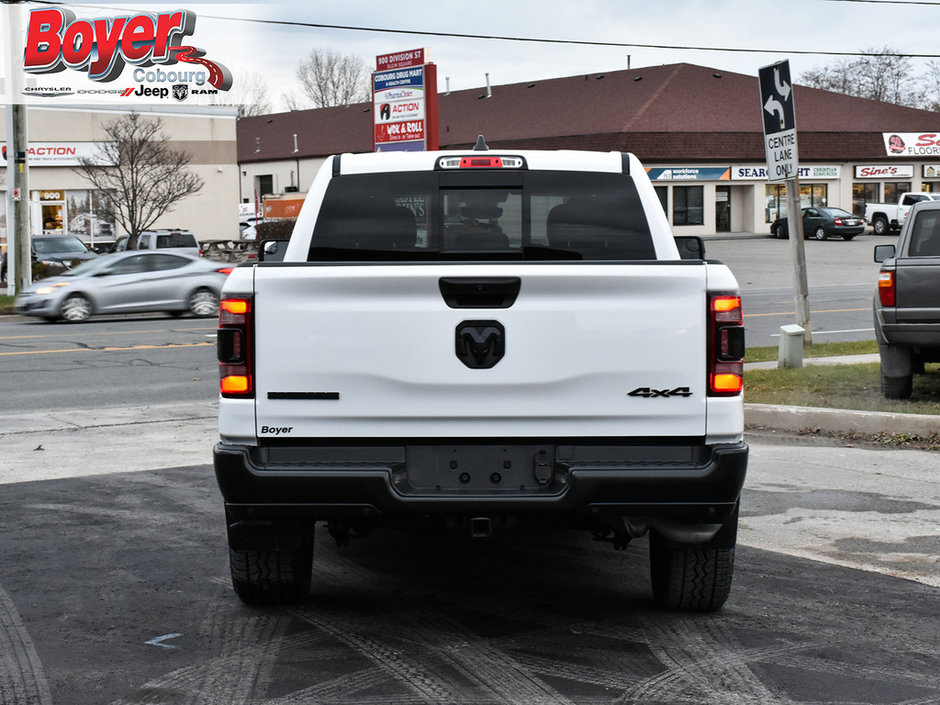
point(543, 468)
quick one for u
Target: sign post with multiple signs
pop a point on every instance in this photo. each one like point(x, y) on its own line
point(783, 164)
point(404, 102)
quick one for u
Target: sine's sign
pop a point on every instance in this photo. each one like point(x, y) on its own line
point(776, 99)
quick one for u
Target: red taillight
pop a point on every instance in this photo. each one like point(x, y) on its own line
point(838, 221)
point(725, 345)
point(225, 270)
point(233, 348)
point(887, 291)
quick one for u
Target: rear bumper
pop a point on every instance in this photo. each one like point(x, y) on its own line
point(573, 483)
point(925, 335)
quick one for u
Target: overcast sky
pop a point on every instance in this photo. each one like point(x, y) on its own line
point(779, 29)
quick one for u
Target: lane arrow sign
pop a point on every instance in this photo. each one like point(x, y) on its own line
point(783, 88)
point(775, 107)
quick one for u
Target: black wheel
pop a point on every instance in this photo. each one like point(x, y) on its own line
point(204, 303)
point(693, 577)
point(897, 387)
point(880, 226)
point(273, 577)
point(847, 237)
point(75, 309)
point(819, 233)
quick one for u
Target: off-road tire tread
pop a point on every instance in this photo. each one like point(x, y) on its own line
point(271, 577)
point(692, 579)
point(897, 387)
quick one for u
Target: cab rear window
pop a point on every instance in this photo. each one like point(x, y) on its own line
point(482, 215)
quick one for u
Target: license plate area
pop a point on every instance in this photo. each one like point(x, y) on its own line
point(479, 469)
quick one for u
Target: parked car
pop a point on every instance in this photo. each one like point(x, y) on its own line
point(907, 301)
point(128, 282)
point(56, 252)
point(167, 239)
point(822, 222)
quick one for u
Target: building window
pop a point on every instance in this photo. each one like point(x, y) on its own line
point(663, 193)
point(688, 205)
point(894, 189)
point(863, 193)
point(814, 195)
point(775, 202)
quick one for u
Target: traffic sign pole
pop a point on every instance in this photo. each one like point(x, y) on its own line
point(780, 144)
point(798, 253)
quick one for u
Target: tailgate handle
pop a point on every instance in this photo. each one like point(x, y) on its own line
point(477, 292)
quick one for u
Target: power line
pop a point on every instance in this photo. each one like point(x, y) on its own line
point(544, 40)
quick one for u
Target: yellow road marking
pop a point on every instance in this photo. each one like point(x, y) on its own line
point(790, 313)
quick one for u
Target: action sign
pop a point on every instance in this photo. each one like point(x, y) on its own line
point(776, 99)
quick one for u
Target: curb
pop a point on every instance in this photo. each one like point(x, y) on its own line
point(801, 418)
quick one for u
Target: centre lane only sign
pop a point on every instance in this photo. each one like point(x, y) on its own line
point(779, 113)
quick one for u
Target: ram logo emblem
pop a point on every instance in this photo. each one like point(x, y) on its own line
point(480, 344)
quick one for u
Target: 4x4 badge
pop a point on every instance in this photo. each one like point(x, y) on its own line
point(648, 393)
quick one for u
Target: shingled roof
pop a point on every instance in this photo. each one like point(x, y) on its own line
point(676, 112)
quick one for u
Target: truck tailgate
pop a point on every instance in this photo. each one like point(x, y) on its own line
point(346, 351)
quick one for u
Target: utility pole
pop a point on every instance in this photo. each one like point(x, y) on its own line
point(19, 259)
point(798, 252)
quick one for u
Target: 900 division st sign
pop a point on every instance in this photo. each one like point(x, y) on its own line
point(776, 97)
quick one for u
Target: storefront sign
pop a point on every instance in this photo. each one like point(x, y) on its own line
point(912, 144)
point(404, 102)
point(58, 153)
point(690, 173)
point(931, 171)
point(759, 173)
point(885, 171)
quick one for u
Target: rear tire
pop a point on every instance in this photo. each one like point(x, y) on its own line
point(847, 237)
point(272, 577)
point(879, 226)
point(820, 233)
point(693, 577)
point(897, 387)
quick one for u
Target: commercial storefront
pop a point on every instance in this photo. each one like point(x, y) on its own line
point(738, 198)
point(698, 131)
point(62, 202)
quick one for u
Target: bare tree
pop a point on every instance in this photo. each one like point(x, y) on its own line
point(328, 78)
point(249, 94)
point(137, 174)
point(932, 87)
point(880, 74)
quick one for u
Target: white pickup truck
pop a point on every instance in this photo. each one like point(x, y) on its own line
point(885, 217)
point(482, 342)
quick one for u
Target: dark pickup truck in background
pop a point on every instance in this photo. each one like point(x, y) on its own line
point(907, 302)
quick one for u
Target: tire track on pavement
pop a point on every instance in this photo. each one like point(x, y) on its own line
point(22, 680)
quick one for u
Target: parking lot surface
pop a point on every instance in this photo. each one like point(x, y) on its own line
point(114, 589)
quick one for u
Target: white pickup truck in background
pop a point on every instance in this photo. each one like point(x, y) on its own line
point(482, 342)
point(885, 217)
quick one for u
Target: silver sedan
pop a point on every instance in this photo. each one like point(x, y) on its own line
point(128, 282)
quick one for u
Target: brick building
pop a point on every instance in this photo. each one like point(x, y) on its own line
point(698, 131)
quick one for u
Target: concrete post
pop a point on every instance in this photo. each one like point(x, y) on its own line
point(790, 349)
